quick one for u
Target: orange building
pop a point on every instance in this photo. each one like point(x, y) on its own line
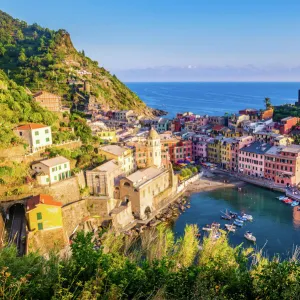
point(47, 100)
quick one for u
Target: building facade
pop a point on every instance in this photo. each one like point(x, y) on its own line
point(52, 170)
point(49, 101)
point(37, 136)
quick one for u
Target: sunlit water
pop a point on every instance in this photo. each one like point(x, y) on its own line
point(275, 225)
point(214, 98)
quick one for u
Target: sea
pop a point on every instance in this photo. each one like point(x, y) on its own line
point(275, 225)
point(213, 98)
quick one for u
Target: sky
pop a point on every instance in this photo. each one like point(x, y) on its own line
point(144, 40)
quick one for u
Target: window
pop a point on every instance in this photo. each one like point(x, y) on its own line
point(55, 177)
point(47, 139)
point(65, 166)
point(53, 169)
point(40, 226)
point(39, 216)
point(46, 130)
point(36, 133)
point(37, 142)
point(47, 179)
point(59, 167)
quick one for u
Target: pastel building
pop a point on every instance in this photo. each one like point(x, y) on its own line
point(239, 143)
point(200, 147)
point(282, 165)
point(52, 170)
point(252, 159)
point(37, 136)
point(43, 213)
point(287, 124)
point(123, 155)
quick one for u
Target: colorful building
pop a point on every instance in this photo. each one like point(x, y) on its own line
point(52, 170)
point(108, 135)
point(287, 124)
point(200, 143)
point(125, 156)
point(252, 159)
point(214, 150)
point(282, 165)
point(226, 153)
point(43, 213)
point(38, 136)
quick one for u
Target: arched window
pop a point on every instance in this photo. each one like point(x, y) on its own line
point(126, 184)
point(97, 177)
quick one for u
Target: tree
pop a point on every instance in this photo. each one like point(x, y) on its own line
point(268, 103)
point(19, 35)
point(22, 57)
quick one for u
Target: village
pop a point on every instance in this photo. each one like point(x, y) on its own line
point(146, 166)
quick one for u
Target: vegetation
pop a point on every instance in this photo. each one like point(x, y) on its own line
point(156, 266)
point(286, 110)
point(188, 172)
point(84, 157)
point(16, 106)
point(268, 103)
point(40, 58)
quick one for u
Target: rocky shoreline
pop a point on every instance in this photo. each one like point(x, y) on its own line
point(159, 112)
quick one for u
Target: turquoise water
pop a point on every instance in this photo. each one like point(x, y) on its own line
point(275, 225)
point(214, 98)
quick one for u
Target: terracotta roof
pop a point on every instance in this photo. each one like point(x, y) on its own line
point(218, 127)
point(41, 199)
point(30, 126)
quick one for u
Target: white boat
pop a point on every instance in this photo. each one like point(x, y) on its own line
point(249, 236)
point(248, 217)
point(281, 198)
point(230, 227)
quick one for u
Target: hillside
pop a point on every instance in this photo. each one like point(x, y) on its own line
point(40, 58)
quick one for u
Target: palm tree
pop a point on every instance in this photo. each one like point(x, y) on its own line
point(267, 102)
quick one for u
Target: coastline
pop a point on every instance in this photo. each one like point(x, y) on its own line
point(212, 182)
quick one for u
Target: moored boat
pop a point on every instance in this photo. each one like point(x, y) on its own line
point(240, 218)
point(230, 227)
point(249, 236)
point(225, 217)
point(288, 201)
point(248, 217)
point(295, 203)
point(238, 223)
point(281, 198)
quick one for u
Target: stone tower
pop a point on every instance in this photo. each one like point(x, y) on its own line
point(154, 149)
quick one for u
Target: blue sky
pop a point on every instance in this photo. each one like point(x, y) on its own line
point(139, 34)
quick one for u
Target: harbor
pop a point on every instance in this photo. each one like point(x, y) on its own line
point(275, 225)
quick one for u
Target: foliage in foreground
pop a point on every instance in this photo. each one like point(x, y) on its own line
point(156, 266)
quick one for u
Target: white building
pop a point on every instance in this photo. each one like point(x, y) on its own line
point(38, 136)
point(52, 170)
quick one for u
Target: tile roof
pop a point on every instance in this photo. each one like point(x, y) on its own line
point(257, 148)
point(140, 177)
point(30, 126)
point(107, 167)
point(114, 149)
point(41, 199)
point(58, 160)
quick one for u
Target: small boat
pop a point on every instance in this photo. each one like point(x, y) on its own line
point(207, 228)
point(225, 217)
point(215, 225)
point(288, 201)
point(295, 203)
point(281, 198)
point(248, 217)
point(233, 214)
point(230, 227)
point(238, 223)
point(240, 218)
point(249, 236)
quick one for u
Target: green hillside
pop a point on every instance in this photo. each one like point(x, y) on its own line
point(40, 58)
point(16, 106)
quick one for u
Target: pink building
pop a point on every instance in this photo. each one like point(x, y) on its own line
point(239, 143)
point(252, 159)
point(200, 147)
point(202, 120)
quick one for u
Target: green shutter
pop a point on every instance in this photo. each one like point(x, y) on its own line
point(40, 226)
point(39, 216)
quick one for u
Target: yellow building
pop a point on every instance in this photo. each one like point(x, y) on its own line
point(226, 151)
point(123, 155)
point(214, 151)
point(42, 212)
point(108, 135)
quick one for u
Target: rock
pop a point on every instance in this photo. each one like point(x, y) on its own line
point(159, 112)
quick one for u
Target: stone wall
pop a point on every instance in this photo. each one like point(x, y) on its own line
point(98, 206)
point(45, 240)
point(74, 214)
point(66, 191)
point(122, 216)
